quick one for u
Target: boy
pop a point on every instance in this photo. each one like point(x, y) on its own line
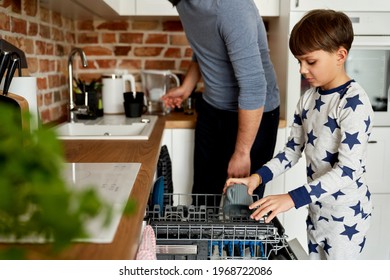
point(332, 124)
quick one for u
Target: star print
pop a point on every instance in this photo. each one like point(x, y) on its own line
point(350, 231)
point(281, 156)
point(319, 204)
point(359, 184)
point(304, 114)
point(337, 194)
point(309, 223)
point(311, 137)
point(351, 139)
point(297, 119)
point(317, 190)
point(323, 218)
point(312, 247)
point(365, 215)
point(326, 246)
point(353, 102)
point(367, 122)
point(347, 172)
point(368, 194)
point(291, 144)
point(288, 165)
point(364, 171)
point(335, 219)
point(331, 158)
point(362, 244)
point(332, 124)
point(309, 171)
point(356, 208)
point(319, 103)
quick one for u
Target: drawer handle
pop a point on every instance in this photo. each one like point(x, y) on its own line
point(372, 142)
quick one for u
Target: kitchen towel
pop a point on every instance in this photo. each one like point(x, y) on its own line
point(147, 247)
point(164, 168)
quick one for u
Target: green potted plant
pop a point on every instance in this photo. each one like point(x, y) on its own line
point(34, 198)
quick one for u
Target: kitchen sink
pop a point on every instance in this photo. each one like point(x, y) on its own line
point(109, 127)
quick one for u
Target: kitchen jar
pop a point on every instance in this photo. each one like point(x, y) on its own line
point(113, 88)
point(156, 83)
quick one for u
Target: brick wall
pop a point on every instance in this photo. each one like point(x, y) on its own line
point(47, 38)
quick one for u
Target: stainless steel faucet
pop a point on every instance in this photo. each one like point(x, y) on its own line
point(84, 61)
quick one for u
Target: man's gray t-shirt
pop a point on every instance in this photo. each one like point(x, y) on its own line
point(229, 42)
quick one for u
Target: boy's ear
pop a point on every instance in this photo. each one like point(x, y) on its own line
point(342, 54)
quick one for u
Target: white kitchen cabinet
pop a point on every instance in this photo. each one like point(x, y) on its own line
point(378, 244)
point(164, 7)
point(276, 186)
point(378, 176)
point(155, 8)
point(142, 7)
point(268, 8)
point(294, 220)
point(343, 5)
point(122, 7)
point(378, 160)
point(180, 144)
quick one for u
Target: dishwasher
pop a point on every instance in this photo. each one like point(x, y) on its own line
point(201, 230)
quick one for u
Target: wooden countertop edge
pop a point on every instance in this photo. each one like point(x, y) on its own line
point(178, 120)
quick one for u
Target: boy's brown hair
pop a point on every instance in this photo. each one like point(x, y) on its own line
point(321, 29)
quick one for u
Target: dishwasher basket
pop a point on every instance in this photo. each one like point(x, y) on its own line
point(205, 231)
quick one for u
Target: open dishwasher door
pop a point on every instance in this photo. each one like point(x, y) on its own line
point(205, 232)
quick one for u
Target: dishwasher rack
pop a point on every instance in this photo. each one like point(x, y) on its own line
point(202, 230)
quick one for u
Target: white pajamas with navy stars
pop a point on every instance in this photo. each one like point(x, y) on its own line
point(332, 127)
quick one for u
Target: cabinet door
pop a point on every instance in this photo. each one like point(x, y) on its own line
point(121, 7)
point(167, 140)
point(378, 160)
point(182, 159)
point(295, 219)
point(356, 5)
point(276, 186)
point(155, 8)
point(378, 244)
point(268, 8)
point(180, 144)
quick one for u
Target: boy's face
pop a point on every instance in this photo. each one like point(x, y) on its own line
point(324, 69)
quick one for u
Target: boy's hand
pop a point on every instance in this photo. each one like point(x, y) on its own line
point(272, 205)
point(251, 182)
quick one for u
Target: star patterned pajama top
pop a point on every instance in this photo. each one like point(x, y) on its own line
point(332, 128)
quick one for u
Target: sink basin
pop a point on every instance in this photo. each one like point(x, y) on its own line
point(111, 127)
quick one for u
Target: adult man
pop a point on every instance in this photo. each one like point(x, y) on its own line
point(238, 113)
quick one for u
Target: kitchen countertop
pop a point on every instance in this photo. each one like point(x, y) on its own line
point(126, 240)
point(125, 243)
point(181, 120)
